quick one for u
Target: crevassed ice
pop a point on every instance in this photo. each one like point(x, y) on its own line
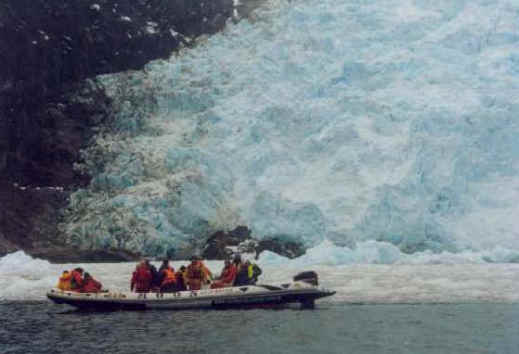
point(385, 121)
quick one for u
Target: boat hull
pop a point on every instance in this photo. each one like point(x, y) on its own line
point(236, 297)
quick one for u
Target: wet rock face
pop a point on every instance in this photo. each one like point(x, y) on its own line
point(222, 245)
point(217, 243)
point(47, 46)
point(48, 112)
point(290, 249)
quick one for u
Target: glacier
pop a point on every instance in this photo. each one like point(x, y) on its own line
point(380, 127)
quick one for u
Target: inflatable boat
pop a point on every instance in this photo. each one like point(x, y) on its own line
point(303, 290)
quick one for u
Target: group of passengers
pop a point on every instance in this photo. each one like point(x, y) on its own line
point(147, 278)
point(196, 275)
point(237, 273)
point(80, 281)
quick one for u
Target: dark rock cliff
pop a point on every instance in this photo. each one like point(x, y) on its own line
point(49, 107)
point(222, 245)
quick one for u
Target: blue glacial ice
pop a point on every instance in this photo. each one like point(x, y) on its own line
point(383, 126)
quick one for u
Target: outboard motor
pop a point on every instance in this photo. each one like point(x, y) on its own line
point(309, 277)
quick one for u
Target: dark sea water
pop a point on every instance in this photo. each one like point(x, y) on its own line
point(42, 327)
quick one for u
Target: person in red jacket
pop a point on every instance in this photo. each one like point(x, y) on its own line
point(141, 278)
point(227, 277)
point(90, 285)
point(77, 279)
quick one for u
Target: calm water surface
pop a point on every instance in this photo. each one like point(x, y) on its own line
point(42, 327)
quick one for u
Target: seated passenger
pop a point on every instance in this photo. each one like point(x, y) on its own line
point(90, 285)
point(227, 277)
point(197, 274)
point(141, 278)
point(181, 277)
point(155, 277)
point(169, 279)
point(194, 275)
point(76, 281)
point(254, 271)
point(242, 272)
point(64, 282)
point(247, 273)
point(164, 265)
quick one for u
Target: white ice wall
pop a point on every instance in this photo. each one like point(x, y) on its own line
point(386, 120)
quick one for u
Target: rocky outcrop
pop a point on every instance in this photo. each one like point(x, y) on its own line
point(47, 47)
point(222, 245)
point(49, 108)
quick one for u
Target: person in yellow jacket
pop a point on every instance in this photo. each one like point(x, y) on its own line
point(64, 281)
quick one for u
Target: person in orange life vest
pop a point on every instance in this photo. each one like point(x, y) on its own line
point(141, 278)
point(227, 277)
point(90, 285)
point(64, 281)
point(168, 278)
point(76, 281)
point(160, 275)
point(197, 274)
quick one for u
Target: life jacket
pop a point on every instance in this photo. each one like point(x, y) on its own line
point(254, 271)
point(168, 276)
point(144, 273)
point(64, 282)
point(141, 279)
point(91, 286)
point(194, 271)
point(195, 276)
point(226, 278)
point(76, 280)
point(228, 274)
